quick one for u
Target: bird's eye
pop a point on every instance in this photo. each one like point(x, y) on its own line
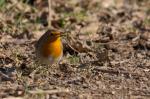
point(52, 34)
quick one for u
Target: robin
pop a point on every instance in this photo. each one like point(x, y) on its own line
point(49, 48)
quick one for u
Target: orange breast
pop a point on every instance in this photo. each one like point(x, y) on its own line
point(53, 49)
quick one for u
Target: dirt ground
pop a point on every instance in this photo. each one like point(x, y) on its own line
point(106, 50)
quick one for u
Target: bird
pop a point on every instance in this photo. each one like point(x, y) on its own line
point(49, 47)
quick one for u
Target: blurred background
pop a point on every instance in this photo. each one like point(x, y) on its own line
point(108, 55)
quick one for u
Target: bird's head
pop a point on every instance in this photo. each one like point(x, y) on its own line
point(54, 34)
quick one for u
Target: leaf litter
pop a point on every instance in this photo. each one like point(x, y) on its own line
point(106, 50)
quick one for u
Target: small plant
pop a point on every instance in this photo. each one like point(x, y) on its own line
point(73, 59)
point(80, 16)
point(147, 21)
point(2, 4)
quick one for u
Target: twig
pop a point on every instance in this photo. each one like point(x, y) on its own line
point(49, 11)
point(118, 72)
point(48, 91)
point(6, 77)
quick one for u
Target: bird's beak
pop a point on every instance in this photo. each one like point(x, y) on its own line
point(62, 34)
